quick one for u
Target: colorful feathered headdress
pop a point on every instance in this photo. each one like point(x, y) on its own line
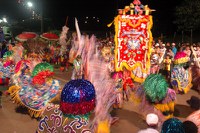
point(41, 72)
point(155, 87)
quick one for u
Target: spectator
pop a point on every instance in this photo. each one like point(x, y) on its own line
point(148, 130)
point(170, 53)
point(182, 48)
point(78, 68)
point(194, 117)
point(168, 45)
point(187, 51)
point(190, 127)
point(174, 49)
point(152, 120)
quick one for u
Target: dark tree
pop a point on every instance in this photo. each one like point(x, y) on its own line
point(187, 15)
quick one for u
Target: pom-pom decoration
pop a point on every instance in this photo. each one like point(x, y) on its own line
point(172, 125)
point(77, 97)
point(155, 87)
point(180, 58)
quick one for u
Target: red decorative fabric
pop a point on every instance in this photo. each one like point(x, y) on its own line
point(40, 78)
point(4, 81)
point(133, 39)
point(77, 108)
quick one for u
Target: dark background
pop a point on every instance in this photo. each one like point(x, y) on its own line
point(56, 11)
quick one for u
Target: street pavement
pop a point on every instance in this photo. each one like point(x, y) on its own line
point(14, 120)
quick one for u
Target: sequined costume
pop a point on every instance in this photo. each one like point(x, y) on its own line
point(181, 77)
point(36, 90)
point(7, 66)
point(54, 120)
point(195, 118)
point(118, 89)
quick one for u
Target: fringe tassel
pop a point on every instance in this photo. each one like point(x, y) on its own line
point(13, 89)
point(187, 88)
point(15, 97)
point(35, 113)
point(165, 108)
point(110, 24)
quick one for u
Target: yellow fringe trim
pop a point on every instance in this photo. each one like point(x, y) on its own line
point(56, 97)
point(181, 60)
point(165, 108)
point(188, 87)
point(103, 127)
point(33, 113)
point(13, 89)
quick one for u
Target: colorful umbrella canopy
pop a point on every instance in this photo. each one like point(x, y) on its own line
point(25, 36)
point(50, 36)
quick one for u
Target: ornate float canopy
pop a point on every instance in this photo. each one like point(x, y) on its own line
point(133, 39)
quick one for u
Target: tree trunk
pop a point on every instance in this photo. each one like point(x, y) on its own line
point(182, 37)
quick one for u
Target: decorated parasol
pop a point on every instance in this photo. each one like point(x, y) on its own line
point(50, 36)
point(25, 36)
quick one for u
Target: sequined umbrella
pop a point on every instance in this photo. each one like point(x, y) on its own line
point(25, 36)
point(50, 36)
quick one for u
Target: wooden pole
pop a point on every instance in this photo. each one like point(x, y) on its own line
point(191, 36)
point(182, 37)
point(66, 22)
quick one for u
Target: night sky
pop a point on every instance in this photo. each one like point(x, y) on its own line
point(104, 10)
